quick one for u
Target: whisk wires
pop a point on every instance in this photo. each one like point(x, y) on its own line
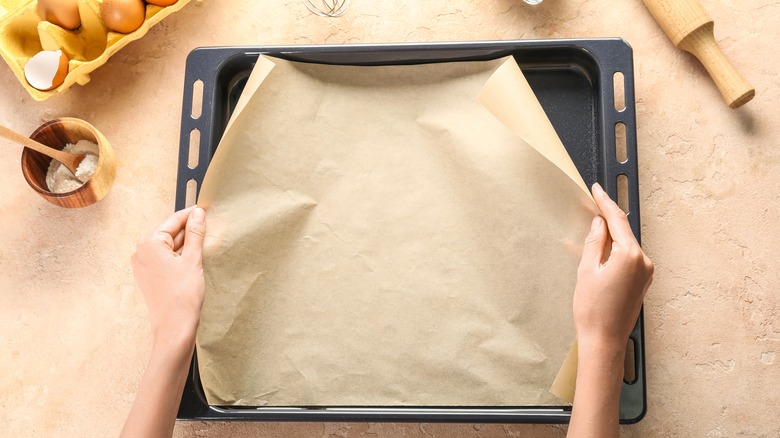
point(330, 8)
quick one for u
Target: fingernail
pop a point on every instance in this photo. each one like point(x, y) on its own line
point(597, 188)
point(198, 215)
point(596, 224)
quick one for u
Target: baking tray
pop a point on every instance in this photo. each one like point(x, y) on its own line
point(573, 80)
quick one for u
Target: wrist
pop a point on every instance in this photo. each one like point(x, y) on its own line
point(599, 383)
point(600, 344)
point(176, 340)
point(604, 354)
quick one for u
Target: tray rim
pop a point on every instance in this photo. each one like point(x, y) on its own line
point(607, 54)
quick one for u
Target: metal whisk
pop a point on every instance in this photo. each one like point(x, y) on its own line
point(330, 8)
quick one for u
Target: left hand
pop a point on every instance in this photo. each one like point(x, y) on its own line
point(167, 265)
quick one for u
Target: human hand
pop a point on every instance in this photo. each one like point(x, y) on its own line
point(613, 277)
point(167, 265)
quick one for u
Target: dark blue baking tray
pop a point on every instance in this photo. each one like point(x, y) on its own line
point(573, 80)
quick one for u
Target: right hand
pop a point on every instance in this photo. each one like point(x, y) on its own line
point(613, 277)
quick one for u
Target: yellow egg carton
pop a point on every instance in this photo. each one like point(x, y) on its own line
point(23, 33)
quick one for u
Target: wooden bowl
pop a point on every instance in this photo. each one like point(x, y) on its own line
point(57, 133)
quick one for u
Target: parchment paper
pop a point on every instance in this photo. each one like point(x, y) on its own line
point(377, 237)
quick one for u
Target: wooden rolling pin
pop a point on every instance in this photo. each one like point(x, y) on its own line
point(689, 27)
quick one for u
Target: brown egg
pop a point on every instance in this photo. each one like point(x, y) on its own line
point(63, 13)
point(161, 2)
point(46, 70)
point(123, 16)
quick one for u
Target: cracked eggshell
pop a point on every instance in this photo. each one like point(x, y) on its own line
point(46, 70)
point(123, 16)
point(63, 13)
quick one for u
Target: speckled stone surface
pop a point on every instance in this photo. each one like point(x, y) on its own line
point(74, 337)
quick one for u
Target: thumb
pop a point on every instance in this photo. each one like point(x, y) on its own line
point(593, 251)
point(195, 232)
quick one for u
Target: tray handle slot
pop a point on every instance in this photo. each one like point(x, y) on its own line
point(619, 90)
point(192, 193)
point(193, 156)
point(622, 193)
point(629, 364)
point(197, 99)
point(621, 153)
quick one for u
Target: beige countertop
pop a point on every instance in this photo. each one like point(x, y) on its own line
point(74, 337)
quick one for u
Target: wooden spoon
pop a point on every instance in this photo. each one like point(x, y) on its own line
point(69, 160)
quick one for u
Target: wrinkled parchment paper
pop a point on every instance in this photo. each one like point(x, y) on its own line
point(377, 237)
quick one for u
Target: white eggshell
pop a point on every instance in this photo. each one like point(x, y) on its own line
point(46, 70)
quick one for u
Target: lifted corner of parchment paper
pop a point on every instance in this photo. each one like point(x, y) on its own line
point(377, 237)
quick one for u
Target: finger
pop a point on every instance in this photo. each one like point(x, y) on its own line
point(593, 251)
point(178, 241)
point(194, 234)
point(607, 249)
point(155, 238)
point(617, 222)
point(175, 222)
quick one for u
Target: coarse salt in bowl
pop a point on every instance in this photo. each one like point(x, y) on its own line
point(75, 192)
